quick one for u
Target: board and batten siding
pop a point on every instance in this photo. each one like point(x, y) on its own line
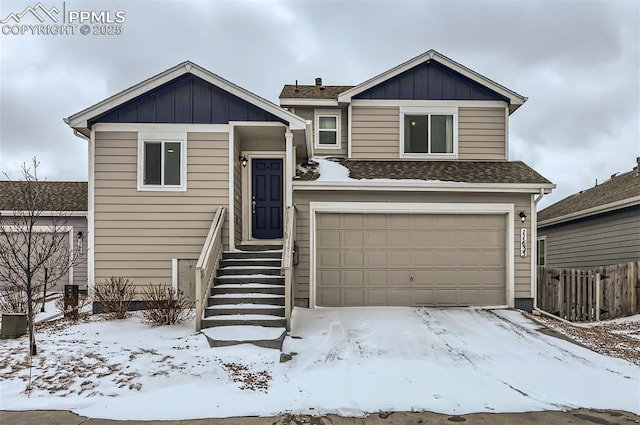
point(309, 114)
point(375, 133)
point(138, 233)
point(301, 199)
point(603, 240)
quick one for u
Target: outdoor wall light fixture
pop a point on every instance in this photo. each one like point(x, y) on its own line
point(244, 160)
point(522, 215)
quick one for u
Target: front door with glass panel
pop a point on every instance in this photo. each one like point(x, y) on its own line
point(266, 198)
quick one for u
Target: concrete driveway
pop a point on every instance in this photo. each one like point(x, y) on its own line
point(452, 361)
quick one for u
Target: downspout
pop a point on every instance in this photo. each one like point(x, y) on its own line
point(80, 135)
point(535, 233)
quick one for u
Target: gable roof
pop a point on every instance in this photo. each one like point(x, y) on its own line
point(293, 91)
point(62, 196)
point(515, 99)
point(80, 120)
point(473, 172)
point(618, 192)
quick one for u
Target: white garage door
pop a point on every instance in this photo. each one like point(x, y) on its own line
point(410, 259)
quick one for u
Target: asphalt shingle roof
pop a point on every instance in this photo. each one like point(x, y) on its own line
point(291, 91)
point(506, 172)
point(618, 188)
point(57, 196)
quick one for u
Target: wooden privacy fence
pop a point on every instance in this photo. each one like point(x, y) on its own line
point(587, 295)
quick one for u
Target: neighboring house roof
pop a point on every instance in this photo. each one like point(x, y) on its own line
point(80, 120)
point(294, 91)
point(618, 192)
point(62, 196)
point(484, 172)
point(515, 99)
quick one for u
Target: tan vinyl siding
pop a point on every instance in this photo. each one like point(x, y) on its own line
point(137, 233)
point(309, 114)
point(607, 239)
point(375, 133)
point(521, 202)
point(481, 134)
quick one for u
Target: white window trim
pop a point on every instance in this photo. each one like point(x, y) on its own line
point(422, 110)
point(162, 137)
point(337, 113)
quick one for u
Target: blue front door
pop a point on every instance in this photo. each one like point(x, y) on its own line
point(266, 198)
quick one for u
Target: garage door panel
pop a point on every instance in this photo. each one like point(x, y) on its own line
point(399, 258)
point(375, 259)
point(376, 239)
point(328, 259)
point(453, 259)
point(351, 259)
point(379, 278)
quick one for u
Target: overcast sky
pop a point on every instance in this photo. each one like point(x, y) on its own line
point(578, 62)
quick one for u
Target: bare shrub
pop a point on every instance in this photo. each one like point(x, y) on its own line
point(73, 313)
point(115, 296)
point(12, 300)
point(165, 305)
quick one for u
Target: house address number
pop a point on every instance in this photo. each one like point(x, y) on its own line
point(523, 242)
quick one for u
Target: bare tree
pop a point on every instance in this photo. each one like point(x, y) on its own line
point(33, 248)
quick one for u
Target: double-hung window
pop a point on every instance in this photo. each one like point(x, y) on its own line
point(428, 133)
point(327, 126)
point(162, 162)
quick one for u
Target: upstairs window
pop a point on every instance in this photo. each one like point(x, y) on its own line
point(327, 125)
point(428, 133)
point(162, 164)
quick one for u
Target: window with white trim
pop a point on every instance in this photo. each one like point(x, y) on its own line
point(162, 163)
point(541, 251)
point(327, 129)
point(428, 133)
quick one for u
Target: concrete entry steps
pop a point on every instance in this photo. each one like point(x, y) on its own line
point(246, 304)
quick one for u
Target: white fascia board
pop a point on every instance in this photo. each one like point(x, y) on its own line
point(425, 187)
point(80, 119)
point(285, 102)
point(9, 213)
point(612, 206)
point(515, 98)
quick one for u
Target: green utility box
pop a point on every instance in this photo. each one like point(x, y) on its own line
point(14, 325)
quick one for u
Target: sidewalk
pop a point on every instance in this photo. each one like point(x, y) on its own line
point(577, 417)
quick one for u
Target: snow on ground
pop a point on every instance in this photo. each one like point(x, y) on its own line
point(349, 361)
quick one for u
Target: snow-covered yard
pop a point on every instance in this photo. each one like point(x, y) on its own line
point(349, 361)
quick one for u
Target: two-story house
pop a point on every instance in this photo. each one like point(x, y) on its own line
point(401, 189)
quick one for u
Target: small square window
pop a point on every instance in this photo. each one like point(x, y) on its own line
point(162, 165)
point(327, 130)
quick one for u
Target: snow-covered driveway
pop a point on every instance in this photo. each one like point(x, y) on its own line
point(349, 361)
point(450, 360)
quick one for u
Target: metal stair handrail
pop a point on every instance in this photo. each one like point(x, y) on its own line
point(208, 262)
